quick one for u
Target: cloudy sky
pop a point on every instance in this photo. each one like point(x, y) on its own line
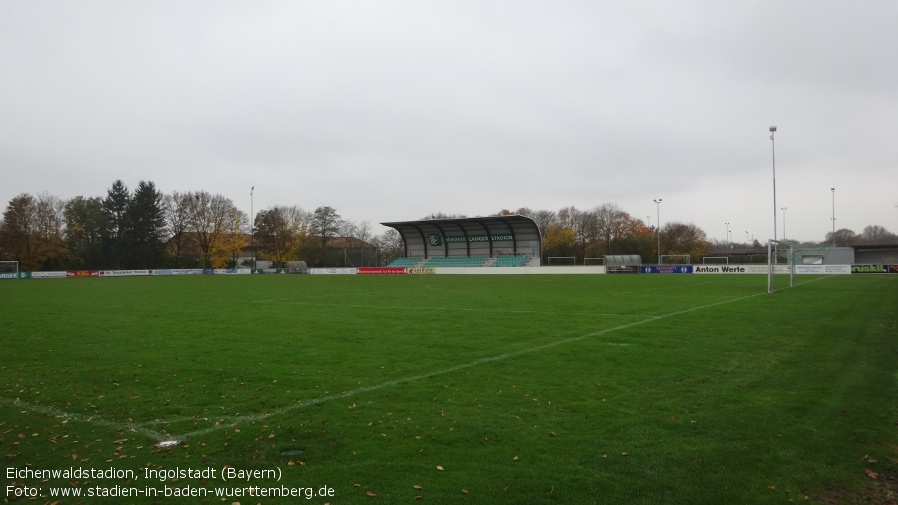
point(392, 110)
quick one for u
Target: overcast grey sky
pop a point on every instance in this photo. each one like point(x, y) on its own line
point(391, 110)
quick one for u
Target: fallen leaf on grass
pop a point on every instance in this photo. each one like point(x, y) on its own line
point(439, 468)
point(416, 486)
point(873, 475)
point(370, 493)
point(464, 491)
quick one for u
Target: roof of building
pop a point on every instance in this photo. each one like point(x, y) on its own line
point(469, 236)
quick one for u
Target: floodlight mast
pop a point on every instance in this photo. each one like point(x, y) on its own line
point(658, 208)
point(834, 216)
point(773, 153)
point(252, 229)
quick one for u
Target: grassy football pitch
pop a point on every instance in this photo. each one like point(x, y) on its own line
point(449, 389)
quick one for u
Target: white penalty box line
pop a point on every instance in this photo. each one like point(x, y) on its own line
point(162, 437)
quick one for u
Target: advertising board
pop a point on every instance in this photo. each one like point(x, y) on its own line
point(48, 275)
point(383, 270)
point(333, 271)
point(822, 269)
point(123, 273)
point(82, 273)
point(869, 269)
point(666, 269)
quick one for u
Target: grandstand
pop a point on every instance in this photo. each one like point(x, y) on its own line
point(494, 241)
point(405, 262)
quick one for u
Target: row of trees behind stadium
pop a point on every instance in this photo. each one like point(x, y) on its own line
point(146, 228)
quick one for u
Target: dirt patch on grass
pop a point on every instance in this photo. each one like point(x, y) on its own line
point(883, 490)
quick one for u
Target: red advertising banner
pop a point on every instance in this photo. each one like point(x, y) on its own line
point(82, 273)
point(382, 270)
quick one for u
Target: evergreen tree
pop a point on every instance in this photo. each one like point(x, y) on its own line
point(115, 206)
point(145, 229)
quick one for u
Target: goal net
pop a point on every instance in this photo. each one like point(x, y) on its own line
point(780, 260)
point(9, 269)
point(675, 259)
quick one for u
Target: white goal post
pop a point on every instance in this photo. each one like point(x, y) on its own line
point(9, 269)
point(562, 260)
point(777, 249)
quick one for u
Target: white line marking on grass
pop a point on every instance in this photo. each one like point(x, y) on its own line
point(95, 420)
point(675, 286)
point(482, 361)
point(456, 309)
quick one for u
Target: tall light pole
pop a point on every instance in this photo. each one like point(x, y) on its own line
point(252, 229)
point(784, 221)
point(834, 216)
point(658, 208)
point(728, 233)
point(773, 152)
point(746, 237)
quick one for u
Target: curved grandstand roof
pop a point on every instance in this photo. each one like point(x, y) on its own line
point(470, 236)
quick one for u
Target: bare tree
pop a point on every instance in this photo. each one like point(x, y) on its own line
point(389, 245)
point(326, 223)
point(280, 232)
point(50, 216)
point(542, 218)
point(842, 238)
point(177, 225)
point(877, 235)
point(612, 224)
point(217, 225)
